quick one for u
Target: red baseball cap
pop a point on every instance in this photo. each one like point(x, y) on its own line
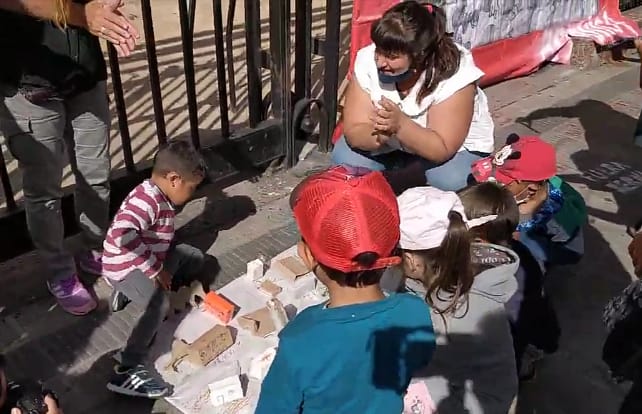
point(344, 212)
point(524, 159)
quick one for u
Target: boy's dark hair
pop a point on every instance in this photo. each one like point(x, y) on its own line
point(487, 199)
point(181, 158)
point(357, 279)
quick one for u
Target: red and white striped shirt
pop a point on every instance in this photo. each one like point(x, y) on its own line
point(140, 235)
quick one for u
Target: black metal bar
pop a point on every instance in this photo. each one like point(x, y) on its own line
point(229, 50)
point(253, 59)
point(303, 49)
point(331, 72)
point(121, 109)
point(281, 82)
point(187, 39)
point(318, 46)
point(6, 184)
point(152, 64)
point(256, 146)
point(220, 69)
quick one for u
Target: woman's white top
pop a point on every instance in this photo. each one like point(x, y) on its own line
point(480, 136)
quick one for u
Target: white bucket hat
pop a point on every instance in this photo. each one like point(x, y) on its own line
point(424, 217)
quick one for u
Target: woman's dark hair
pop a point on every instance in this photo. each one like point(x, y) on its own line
point(487, 199)
point(449, 271)
point(419, 31)
point(357, 279)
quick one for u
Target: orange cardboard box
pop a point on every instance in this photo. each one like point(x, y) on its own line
point(219, 306)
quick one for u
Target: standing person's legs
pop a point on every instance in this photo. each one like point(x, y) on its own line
point(34, 135)
point(453, 174)
point(88, 119)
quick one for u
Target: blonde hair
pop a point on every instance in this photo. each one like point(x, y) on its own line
point(61, 16)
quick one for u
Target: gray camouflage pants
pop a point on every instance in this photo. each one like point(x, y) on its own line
point(38, 136)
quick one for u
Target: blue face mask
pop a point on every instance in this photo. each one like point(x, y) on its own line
point(400, 77)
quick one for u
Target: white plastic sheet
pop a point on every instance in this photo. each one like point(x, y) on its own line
point(191, 383)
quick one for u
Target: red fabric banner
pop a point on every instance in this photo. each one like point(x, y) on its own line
point(514, 56)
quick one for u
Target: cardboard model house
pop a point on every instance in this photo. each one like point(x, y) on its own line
point(204, 350)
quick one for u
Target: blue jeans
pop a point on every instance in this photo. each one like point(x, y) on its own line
point(451, 175)
point(550, 253)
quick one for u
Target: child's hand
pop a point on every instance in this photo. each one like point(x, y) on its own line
point(52, 407)
point(164, 280)
point(534, 202)
point(635, 251)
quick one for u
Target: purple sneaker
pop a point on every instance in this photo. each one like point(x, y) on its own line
point(91, 262)
point(72, 296)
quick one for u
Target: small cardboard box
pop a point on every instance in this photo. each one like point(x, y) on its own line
point(187, 296)
point(290, 267)
point(219, 306)
point(225, 391)
point(304, 285)
point(205, 349)
point(270, 288)
point(258, 322)
point(255, 270)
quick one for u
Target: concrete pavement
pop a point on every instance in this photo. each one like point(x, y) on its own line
point(590, 117)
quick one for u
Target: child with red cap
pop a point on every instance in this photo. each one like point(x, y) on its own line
point(552, 213)
point(357, 352)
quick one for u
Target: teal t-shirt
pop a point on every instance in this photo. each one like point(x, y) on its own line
point(349, 359)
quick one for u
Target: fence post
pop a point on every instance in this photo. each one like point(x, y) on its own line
point(121, 109)
point(253, 60)
point(280, 65)
point(186, 16)
point(154, 78)
point(331, 72)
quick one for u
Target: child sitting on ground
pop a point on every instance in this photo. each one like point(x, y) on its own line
point(552, 212)
point(141, 261)
point(533, 319)
point(356, 352)
point(11, 394)
point(473, 370)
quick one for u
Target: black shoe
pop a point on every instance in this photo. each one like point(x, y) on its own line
point(136, 382)
point(118, 301)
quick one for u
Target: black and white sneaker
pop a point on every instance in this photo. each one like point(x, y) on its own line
point(136, 382)
point(118, 301)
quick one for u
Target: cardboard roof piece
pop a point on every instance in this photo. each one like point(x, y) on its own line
point(270, 288)
point(258, 323)
point(290, 267)
point(187, 296)
point(204, 350)
point(263, 322)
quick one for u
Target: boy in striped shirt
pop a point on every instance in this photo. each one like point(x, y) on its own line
point(142, 263)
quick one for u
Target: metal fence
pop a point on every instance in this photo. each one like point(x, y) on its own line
point(275, 121)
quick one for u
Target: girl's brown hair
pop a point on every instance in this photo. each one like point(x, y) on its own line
point(419, 31)
point(487, 199)
point(449, 275)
